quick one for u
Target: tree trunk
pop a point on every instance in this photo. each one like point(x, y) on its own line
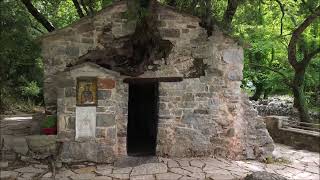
point(258, 92)
point(133, 7)
point(84, 6)
point(207, 19)
point(301, 66)
point(266, 93)
point(78, 7)
point(299, 98)
point(37, 15)
point(229, 13)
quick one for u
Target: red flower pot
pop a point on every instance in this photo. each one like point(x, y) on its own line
point(49, 131)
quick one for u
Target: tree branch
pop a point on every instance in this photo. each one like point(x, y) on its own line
point(38, 16)
point(230, 12)
point(84, 6)
point(192, 6)
point(207, 21)
point(90, 5)
point(282, 16)
point(308, 56)
point(292, 50)
point(77, 6)
point(285, 78)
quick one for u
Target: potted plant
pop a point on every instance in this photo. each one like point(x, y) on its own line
point(49, 126)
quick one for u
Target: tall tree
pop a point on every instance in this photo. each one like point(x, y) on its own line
point(261, 28)
point(300, 66)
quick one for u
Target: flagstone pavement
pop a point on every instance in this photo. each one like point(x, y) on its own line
point(290, 163)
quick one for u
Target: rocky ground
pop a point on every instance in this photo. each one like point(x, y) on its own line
point(280, 106)
point(289, 163)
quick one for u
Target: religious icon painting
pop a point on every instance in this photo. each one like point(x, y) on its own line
point(86, 91)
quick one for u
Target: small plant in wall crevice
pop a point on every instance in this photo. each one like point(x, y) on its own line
point(49, 125)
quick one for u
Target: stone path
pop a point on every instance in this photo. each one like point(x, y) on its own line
point(290, 163)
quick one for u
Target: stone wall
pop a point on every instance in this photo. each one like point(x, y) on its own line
point(281, 106)
point(298, 138)
point(35, 147)
point(196, 121)
point(111, 114)
point(63, 47)
point(205, 114)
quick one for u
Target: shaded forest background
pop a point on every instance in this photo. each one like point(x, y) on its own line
point(281, 40)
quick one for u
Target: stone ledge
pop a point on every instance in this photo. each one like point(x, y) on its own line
point(298, 138)
point(87, 151)
point(34, 146)
point(302, 131)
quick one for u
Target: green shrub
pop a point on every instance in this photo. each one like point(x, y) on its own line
point(31, 89)
point(49, 122)
point(273, 160)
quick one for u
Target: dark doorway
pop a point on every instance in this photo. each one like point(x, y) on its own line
point(142, 118)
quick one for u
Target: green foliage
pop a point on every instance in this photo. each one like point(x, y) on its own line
point(259, 28)
point(198, 8)
point(105, 3)
point(257, 25)
point(21, 67)
point(31, 89)
point(59, 12)
point(272, 160)
point(49, 122)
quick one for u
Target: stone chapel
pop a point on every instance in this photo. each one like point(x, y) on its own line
point(186, 103)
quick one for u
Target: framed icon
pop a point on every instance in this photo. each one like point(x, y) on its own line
point(86, 91)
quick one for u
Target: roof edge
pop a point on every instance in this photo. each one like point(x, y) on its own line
point(68, 69)
point(78, 21)
point(176, 10)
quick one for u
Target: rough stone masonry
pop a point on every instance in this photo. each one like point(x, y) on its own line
point(205, 114)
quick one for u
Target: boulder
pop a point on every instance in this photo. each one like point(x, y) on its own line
point(42, 146)
point(20, 145)
point(8, 175)
point(263, 175)
point(15, 143)
point(86, 151)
